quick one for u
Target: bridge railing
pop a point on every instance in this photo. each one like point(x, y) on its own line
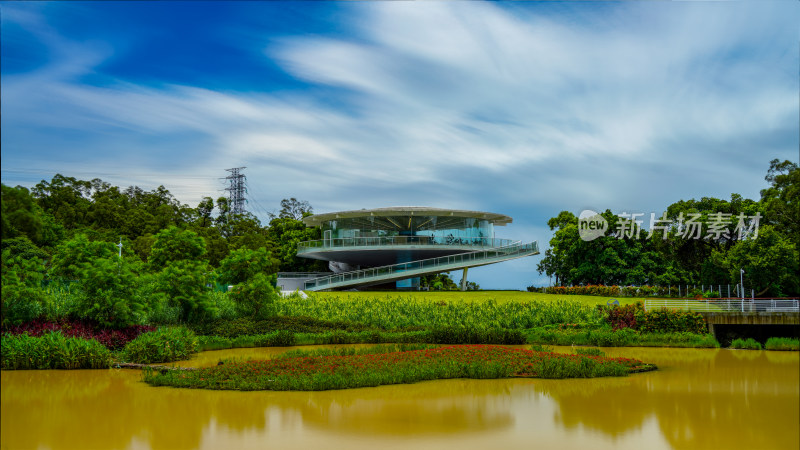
point(392, 241)
point(428, 265)
point(726, 305)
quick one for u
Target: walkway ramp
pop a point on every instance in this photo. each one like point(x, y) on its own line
point(401, 271)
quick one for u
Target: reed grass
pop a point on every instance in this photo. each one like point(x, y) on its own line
point(52, 350)
point(785, 344)
point(166, 344)
point(746, 344)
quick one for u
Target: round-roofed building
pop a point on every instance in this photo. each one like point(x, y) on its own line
point(363, 245)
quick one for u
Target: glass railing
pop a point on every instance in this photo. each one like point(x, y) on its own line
point(389, 241)
point(461, 259)
point(302, 274)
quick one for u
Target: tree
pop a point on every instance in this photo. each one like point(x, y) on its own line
point(24, 248)
point(173, 244)
point(244, 264)
point(295, 209)
point(22, 295)
point(108, 286)
point(781, 201)
point(438, 282)
point(72, 255)
point(184, 282)
point(256, 296)
point(22, 216)
point(285, 234)
point(770, 263)
point(184, 275)
point(204, 209)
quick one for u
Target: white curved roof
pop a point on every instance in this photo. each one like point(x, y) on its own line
point(318, 219)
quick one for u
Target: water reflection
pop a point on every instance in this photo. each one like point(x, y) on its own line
point(699, 398)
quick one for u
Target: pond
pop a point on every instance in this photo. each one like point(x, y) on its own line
point(699, 398)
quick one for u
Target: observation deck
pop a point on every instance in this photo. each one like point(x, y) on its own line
point(396, 239)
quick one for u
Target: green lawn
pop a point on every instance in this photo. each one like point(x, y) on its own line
point(457, 296)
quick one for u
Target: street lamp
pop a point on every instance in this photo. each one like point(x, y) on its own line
point(741, 282)
point(741, 285)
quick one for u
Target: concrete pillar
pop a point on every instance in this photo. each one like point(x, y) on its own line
point(464, 279)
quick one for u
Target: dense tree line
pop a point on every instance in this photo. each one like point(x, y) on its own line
point(762, 237)
point(69, 231)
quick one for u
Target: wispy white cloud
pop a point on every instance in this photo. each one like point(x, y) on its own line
point(450, 104)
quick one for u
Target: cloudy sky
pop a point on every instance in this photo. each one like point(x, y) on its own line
point(524, 109)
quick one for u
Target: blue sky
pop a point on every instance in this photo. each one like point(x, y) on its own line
point(524, 109)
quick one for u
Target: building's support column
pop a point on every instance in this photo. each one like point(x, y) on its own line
point(464, 279)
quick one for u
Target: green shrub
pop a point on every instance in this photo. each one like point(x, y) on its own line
point(541, 348)
point(578, 368)
point(747, 344)
point(280, 338)
point(245, 326)
point(206, 343)
point(777, 343)
point(108, 287)
point(59, 303)
point(242, 326)
point(656, 321)
point(22, 296)
point(604, 337)
point(627, 316)
point(670, 321)
point(162, 345)
point(53, 351)
point(464, 335)
point(225, 305)
point(255, 297)
point(589, 351)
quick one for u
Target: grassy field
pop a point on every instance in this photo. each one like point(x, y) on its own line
point(498, 296)
point(459, 296)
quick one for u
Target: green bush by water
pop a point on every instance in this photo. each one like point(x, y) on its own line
point(626, 337)
point(163, 345)
point(746, 344)
point(588, 351)
point(777, 343)
point(53, 351)
point(275, 339)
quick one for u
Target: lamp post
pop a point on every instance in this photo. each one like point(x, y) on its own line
point(741, 285)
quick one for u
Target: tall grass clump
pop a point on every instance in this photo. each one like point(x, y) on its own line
point(578, 368)
point(746, 344)
point(163, 345)
point(778, 343)
point(626, 337)
point(53, 350)
point(589, 351)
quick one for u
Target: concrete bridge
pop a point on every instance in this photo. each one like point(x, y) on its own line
point(750, 318)
point(767, 317)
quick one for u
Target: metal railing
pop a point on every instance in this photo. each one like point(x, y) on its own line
point(424, 265)
point(302, 274)
point(389, 241)
point(726, 305)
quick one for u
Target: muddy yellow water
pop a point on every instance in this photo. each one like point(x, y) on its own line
point(699, 399)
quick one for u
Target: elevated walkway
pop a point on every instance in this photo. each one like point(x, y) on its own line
point(401, 271)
